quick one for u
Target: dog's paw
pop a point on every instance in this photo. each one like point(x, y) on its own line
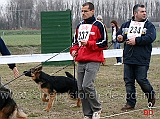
point(46, 109)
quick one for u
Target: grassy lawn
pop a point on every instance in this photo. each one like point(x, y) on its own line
point(22, 40)
point(34, 40)
point(23, 44)
point(109, 84)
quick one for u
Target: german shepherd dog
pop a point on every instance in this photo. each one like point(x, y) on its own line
point(8, 107)
point(50, 85)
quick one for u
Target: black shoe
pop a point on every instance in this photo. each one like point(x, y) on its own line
point(127, 107)
point(151, 102)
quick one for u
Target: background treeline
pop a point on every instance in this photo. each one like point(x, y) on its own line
point(25, 14)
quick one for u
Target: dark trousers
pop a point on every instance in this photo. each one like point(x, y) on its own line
point(138, 73)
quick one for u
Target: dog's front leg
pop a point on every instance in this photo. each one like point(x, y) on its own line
point(78, 102)
point(44, 98)
point(51, 101)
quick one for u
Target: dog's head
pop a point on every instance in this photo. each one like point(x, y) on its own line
point(33, 72)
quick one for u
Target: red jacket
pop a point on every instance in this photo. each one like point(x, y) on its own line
point(96, 43)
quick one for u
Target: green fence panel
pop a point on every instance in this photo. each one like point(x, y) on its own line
point(56, 33)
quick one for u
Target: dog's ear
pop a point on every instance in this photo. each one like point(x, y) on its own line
point(5, 89)
point(37, 69)
point(40, 68)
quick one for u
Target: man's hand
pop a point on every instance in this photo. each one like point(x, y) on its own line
point(16, 72)
point(120, 38)
point(74, 53)
point(131, 41)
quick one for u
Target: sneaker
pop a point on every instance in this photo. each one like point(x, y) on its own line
point(85, 117)
point(96, 115)
point(119, 63)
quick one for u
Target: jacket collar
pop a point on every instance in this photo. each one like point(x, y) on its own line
point(90, 20)
point(144, 20)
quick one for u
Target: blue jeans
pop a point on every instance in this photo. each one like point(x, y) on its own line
point(117, 46)
point(138, 73)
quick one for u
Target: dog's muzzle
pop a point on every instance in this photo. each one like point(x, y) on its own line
point(27, 73)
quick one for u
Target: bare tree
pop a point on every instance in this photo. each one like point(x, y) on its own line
point(26, 13)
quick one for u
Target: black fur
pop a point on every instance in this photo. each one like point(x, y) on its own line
point(61, 84)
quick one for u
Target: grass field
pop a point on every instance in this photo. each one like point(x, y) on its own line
point(22, 40)
point(31, 40)
point(109, 84)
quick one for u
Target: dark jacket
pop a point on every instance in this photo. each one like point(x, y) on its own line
point(4, 51)
point(140, 53)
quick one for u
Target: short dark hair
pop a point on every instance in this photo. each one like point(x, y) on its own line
point(91, 6)
point(135, 8)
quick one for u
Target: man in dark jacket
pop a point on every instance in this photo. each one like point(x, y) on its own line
point(4, 51)
point(138, 35)
point(4, 91)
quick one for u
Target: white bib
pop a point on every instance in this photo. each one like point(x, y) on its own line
point(84, 32)
point(135, 29)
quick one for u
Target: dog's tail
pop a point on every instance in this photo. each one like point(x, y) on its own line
point(69, 75)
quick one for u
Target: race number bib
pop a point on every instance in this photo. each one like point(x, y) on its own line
point(84, 32)
point(135, 29)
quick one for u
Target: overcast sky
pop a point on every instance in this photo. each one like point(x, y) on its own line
point(3, 2)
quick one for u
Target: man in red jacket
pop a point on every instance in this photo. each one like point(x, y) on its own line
point(88, 44)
